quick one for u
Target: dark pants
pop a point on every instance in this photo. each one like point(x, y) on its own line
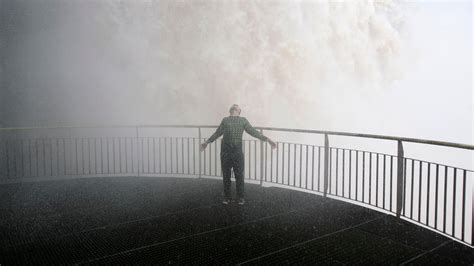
point(232, 157)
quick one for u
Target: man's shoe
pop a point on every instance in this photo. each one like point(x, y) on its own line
point(226, 202)
point(241, 201)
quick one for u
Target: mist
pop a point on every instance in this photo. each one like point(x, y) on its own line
point(379, 67)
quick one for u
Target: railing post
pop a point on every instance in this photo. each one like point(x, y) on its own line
point(326, 163)
point(138, 153)
point(199, 143)
point(261, 159)
point(400, 179)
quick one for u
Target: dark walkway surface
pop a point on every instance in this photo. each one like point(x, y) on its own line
point(125, 220)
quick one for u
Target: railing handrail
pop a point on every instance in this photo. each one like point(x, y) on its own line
point(321, 132)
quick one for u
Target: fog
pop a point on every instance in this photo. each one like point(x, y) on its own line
point(379, 67)
point(393, 68)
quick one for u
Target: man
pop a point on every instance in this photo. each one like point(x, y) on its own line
point(232, 157)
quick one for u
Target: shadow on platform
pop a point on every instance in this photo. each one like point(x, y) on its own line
point(125, 220)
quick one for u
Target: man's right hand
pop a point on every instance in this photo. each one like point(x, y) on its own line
point(272, 143)
point(203, 146)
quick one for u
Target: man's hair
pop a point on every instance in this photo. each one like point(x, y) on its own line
point(234, 107)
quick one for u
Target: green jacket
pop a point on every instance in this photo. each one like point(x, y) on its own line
point(232, 127)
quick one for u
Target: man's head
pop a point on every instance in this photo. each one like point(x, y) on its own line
point(235, 110)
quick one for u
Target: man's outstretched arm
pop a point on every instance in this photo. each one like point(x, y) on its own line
point(218, 133)
point(256, 134)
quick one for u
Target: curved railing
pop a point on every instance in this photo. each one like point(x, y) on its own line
point(433, 195)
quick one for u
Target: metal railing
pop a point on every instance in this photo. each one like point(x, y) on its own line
point(430, 194)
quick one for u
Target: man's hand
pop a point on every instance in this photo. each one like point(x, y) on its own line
point(272, 143)
point(203, 146)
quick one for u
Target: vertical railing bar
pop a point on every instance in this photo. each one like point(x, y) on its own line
point(182, 156)
point(120, 154)
point(357, 175)
point(301, 163)
point(294, 165)
point(420, 184)
point(154, 154)
point(454, 203)
point(199, 154)
point(283, 164)
point(266, 161)
point(330, 171)
point(166, 154)
point(250, 160)
point(326, 163)
point(171, 155)
point(428, 195)
point(271, 164)
point(337, 171)
point(255, 159)
point(377, 181)
point(370, 178)
point(363, 176)
point(404, 184)
point(306, 171)
point(343, 171)
point(463, 215)
point(102, 156)
point(283, 159)
point(350, 174)
point(319, 168)
point(95, 156)
point(113, 155)
point(15, 150)
point(188, 157)
point(160, 169)
point(445, 197)
point(391, 183)
point(126, 155)
point(148, 155)
point(277, 155)
point(383, 183)
point(312, 168)
point(261, 159)
point(400, 179)
point(194, 156)
point(412, 187)
point(108, 158)
point(210, 157)
point(137, 136)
